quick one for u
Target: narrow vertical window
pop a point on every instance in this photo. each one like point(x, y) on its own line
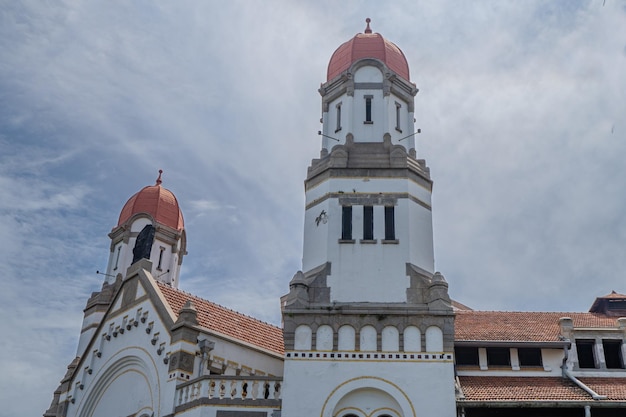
point(117, 258)
point(398, 107)
point(346, 223)
point(390, 227)
point(368, 223)
point(338, 117)
point(162, 249)
point(368, 109)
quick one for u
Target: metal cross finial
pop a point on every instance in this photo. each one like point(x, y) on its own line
point(367, 29)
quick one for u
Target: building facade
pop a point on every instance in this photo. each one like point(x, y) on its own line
point(368, 327)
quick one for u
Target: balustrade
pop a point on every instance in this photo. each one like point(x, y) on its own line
point(218, 388)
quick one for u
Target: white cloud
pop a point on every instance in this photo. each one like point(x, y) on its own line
point(521, 107)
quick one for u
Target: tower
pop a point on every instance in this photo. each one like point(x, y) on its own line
point(150, 226)
point(368, 317)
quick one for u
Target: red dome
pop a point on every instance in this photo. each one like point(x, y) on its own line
point(158, 202)
point(368, 45)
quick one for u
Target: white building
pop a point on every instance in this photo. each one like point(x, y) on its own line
point(369, 329)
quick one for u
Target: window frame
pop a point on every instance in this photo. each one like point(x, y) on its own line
point(338, 116)
point(525, 354)
point(494, 354)
point(368, 223)
point(368, 109)
point(585, 347)
point(615, 356)
point(398, 107)
point(346, 224)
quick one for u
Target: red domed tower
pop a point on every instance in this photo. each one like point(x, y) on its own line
point(150, 226)
point(368, 317)
point(368, 94)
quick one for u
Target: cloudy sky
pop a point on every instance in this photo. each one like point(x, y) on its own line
point(522, 108)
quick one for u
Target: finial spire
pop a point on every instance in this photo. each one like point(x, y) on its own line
point(158, 181)
point(367, 29)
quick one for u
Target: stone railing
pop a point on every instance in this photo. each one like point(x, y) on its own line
point(262, 391)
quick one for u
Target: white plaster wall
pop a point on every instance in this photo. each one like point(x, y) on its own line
point(329, 122)
point(114, 265)
point(316, 236)
point(390, 339)
point(346, 338)
point(367, 341)
point(368, 132)
point(434, 339)
point(86, 335)
point(246, 356)
point(353, 115)
point(146, 373)
point(406, 121)
point(302, 338)
point(368, 272)
point(412, 339)
point(368, 74)
point(421, 237)
point(551, 358)
point(368, 185)
point(424, 388)
point(324, 338)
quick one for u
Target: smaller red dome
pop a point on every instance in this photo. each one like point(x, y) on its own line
point(158, 202)
point(368, 45)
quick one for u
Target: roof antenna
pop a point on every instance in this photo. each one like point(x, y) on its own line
point(367, 29)
point(158, 181)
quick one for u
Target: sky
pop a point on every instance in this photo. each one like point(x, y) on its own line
point(522, 109)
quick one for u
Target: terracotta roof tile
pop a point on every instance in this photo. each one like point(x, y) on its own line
point(158, 202)
point(367, 45)
point(494, 388)
point(613, 388)
point(521, 326)
point(228, 322)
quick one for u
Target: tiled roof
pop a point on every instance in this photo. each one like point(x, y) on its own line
point(158, 202)
point(614, 294)
point(520, 326)
point(367, 45)
point(227, 322)
point(494, 388)
point(613, 388)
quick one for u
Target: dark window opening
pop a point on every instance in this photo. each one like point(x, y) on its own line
point(617, 304)
point(346, 222)
point(162, 249)
point(368, 223)
point(497, 356)
point(338, 118)
point(398, 107)
point(117, 258)
point(529, 356)
point(613, 354)
point(466, 356)
point(586, 358)
point(368, 109)
point(390, 227)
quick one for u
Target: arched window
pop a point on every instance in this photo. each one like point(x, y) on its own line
point(390, 339)
point(302, 338)
point(434, 339)
point(346, 338)
point(368, 339)
point(324, 338)
point(412, 339)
